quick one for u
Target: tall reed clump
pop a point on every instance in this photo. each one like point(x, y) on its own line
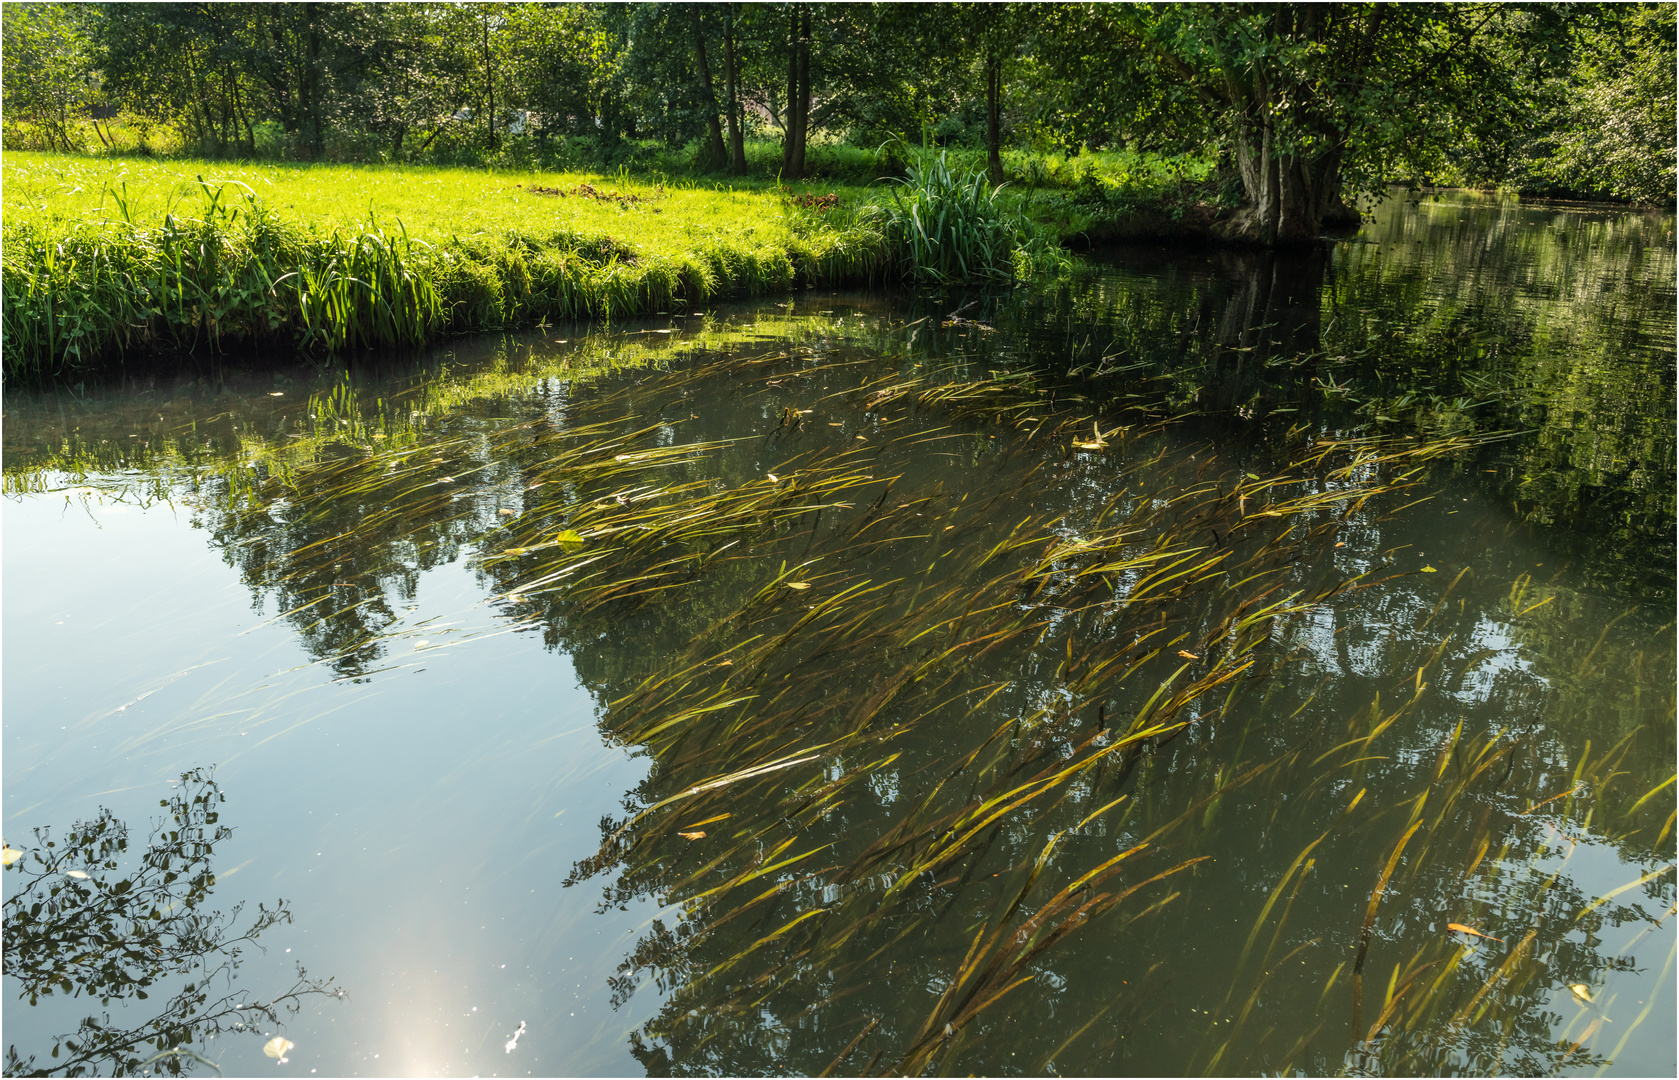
point(948, 225)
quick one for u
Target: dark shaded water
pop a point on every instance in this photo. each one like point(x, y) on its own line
point(1141, 677)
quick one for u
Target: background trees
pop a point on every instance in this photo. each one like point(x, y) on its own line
point(1305, 104)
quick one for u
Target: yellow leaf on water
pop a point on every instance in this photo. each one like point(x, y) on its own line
point(568, 536)
point(798, 584)
point(507, 512)
point(277, 1047)
point(79, 875)
point(1187, 655)
point(725, 663)
point(697, 834)
point(1581, 991)
point(9, 855)
point(1462, 929)
point(1429, 570)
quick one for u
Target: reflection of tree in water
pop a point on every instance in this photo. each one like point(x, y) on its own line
point(297, 537)
point(80, 922)
point(794, 944)
point(887, 755)
point(1558, 325)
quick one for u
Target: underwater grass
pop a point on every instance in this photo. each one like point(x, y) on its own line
point(831, 615)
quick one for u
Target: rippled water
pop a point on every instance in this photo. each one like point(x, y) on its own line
point(1225, 662)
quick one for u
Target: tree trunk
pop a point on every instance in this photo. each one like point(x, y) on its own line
point(994, 116)
point(713, 153)
point(313, 131)
point(798, 93)
point(489, 89)
point(804, 86)
point(1288, 197)
point(731, 74)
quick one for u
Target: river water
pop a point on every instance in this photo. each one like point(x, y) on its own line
point(1218, 663)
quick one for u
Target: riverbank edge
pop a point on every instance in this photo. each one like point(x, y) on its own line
point(95, 302)
point(104, 300)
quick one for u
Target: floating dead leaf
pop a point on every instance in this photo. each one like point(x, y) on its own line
point(568, 536)
point(798, 584)
point(1462, 929)
point(1340, 543)
point(506, 512)
point(9, 855)
point(1429, 570)
point(835, 423)
point(79, 875)
point(697, 834)
point(725, 663)
point(1098, 441)
point(1581, 991)
point(277, 1047)
point(774, 479)
point(1187, 655)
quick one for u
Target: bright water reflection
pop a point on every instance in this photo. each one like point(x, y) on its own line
point(824, 652)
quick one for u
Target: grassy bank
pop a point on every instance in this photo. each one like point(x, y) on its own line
point(105, 260)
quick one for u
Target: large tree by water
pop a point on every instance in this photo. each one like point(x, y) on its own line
point(1312, 100)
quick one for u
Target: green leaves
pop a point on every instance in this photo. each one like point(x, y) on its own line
point(114, 941)
point(949, 226)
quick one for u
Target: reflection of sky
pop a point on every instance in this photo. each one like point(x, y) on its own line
point(420, 823)
point(1640, 999)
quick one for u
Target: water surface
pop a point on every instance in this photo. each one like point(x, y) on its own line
point(1142, 676)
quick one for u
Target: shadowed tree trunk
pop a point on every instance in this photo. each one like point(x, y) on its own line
point(994, 116)
point(798, 92)
point(731, 74)
point(713, 154)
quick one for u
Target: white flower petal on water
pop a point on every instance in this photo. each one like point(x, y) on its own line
point(277, 1047)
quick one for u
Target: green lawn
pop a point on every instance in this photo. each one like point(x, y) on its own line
point(433, 204)
point(107, 257)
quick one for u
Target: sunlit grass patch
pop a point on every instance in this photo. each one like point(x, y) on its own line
point(105, 259)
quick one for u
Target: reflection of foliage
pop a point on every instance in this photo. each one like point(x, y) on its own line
point(81, 923)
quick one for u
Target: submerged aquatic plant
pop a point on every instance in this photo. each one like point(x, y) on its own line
point(938, 673)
